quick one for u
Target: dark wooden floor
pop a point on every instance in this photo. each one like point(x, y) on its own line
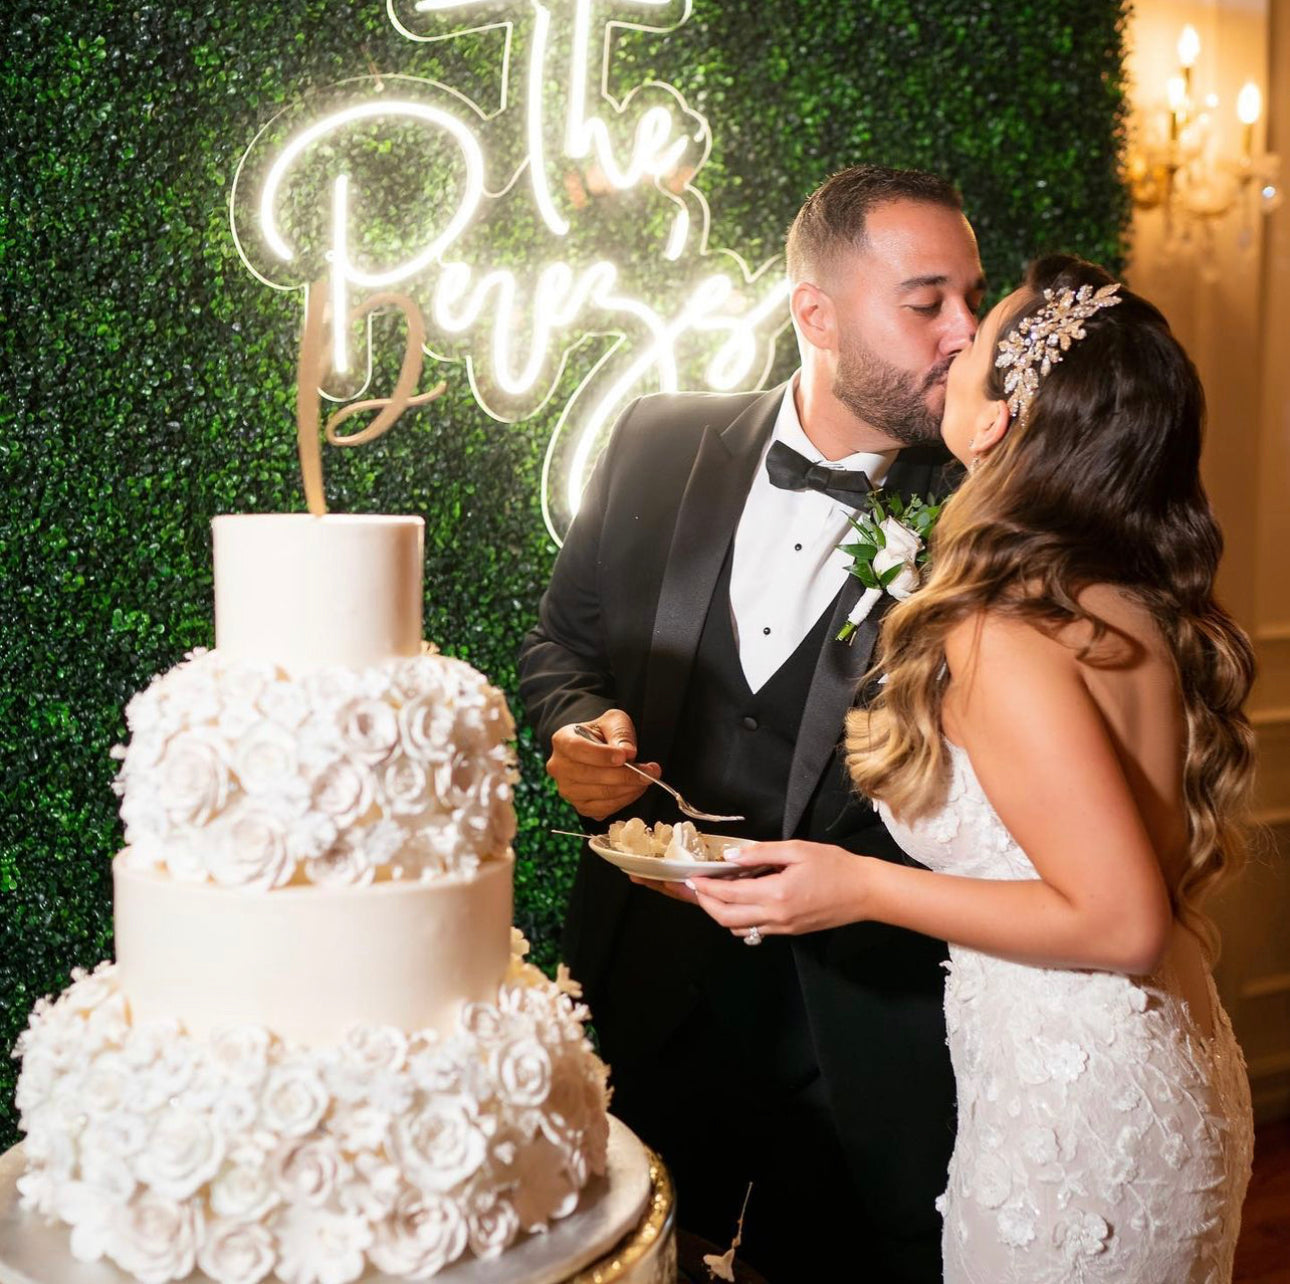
point(1263, 1255)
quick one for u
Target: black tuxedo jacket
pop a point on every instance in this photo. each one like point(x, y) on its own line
point(618, 628)
point(620, 622)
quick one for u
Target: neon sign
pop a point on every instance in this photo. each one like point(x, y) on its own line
point(555, 152)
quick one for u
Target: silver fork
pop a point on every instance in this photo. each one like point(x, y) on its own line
point(684, 807)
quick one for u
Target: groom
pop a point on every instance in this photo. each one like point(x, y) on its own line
point(690, 621)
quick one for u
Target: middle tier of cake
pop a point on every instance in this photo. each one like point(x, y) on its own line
point(308, 962)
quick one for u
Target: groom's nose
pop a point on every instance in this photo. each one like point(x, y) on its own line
point(960, 326)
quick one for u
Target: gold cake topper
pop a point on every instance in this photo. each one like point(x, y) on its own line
point(315, 365)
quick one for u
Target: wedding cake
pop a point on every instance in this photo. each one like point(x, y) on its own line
point(320, 1052)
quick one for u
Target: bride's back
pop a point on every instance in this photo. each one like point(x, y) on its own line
point(1132, 677)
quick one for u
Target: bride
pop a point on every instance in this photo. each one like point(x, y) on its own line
point(1059, 740)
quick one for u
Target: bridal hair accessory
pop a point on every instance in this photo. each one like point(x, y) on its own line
point(890, 553)
point(1038, 342)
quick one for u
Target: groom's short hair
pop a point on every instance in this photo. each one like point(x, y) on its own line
point(832, 221)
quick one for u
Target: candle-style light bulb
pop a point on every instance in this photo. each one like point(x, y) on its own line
point(1249, 103)
point(1188, 52)
point(1176, 89)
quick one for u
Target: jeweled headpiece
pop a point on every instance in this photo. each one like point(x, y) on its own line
point(1039, 341)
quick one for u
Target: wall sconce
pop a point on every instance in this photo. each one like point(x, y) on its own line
point(1177, 166)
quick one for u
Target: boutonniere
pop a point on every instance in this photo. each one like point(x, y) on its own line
point(890, 553)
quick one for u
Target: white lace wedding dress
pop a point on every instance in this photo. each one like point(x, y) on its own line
point(1101, 1135)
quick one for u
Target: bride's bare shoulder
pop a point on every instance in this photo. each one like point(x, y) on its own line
point(993, 638)
point(1121, 634)
point(1012, 683)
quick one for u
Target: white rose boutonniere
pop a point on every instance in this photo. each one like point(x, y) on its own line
point(890, 552)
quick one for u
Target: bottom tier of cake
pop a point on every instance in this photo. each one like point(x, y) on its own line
point(248, 1157)
point(622, 1232)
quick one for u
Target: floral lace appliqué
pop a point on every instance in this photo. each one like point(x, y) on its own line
point(1100, 1138)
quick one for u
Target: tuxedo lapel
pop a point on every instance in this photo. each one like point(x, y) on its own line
point(705, 524)
point(837, 675)
point(841, 665)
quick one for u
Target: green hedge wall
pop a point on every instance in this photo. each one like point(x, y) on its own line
point(146, 378)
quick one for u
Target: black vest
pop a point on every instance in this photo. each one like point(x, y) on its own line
point(732, 752)
point(734, 748)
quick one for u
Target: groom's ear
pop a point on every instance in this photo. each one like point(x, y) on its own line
point(814, 315)
point(991, 426)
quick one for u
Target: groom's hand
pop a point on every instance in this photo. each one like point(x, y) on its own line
point(591, 776)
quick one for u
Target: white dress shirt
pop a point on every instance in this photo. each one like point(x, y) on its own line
point(787, 569)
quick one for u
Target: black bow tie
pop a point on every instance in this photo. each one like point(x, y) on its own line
point(790, 471)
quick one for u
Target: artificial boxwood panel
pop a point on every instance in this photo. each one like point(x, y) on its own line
point(146, 378)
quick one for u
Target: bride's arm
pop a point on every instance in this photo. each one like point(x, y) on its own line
point(1043, 755)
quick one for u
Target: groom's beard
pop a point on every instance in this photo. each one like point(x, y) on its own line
point(890, 399)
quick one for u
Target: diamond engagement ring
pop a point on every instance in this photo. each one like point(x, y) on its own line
point(753, 937)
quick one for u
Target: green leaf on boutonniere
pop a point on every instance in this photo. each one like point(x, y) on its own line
point(915, 515)
point(861, 552)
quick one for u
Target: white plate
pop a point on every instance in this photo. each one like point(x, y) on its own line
point(672, 871)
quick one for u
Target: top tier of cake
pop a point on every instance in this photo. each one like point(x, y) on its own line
point(304, 592)
point(320, 742)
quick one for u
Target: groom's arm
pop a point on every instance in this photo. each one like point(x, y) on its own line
point(564, 666)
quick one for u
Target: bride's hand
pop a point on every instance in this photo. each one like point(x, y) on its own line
point(811, 887)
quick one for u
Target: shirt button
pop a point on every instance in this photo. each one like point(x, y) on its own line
point(750, 723)
point(797, 548)
point(766, 630)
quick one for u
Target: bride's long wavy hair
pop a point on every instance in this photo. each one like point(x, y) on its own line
point(1098, 483)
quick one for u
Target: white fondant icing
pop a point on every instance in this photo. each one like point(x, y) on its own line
point(307, 962)
point(302, 592)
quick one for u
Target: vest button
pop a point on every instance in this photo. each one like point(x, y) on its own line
point(749, 722)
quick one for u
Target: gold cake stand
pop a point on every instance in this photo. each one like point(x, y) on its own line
point(647, 1255)
point(622, 1232)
